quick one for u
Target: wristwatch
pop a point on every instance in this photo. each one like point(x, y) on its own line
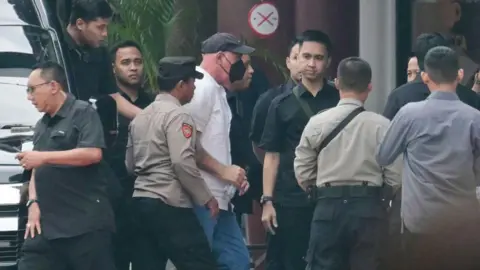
point(30, 202)
point(265, 199)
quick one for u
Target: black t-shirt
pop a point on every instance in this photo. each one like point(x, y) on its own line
point(260, 110)
point(91, 73)
point(72, 199)
point(117, 161)
point(283, 128)
point(418, 91)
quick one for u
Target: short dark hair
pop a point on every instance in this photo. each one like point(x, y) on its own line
point(354, 74)
point(121, 45)
point(425, 42)
point(442, 65)
point(295, 41)
point(52, 71)
point(90, 10)
point(316, 36)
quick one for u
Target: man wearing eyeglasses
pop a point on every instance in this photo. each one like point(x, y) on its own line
point(70, 219)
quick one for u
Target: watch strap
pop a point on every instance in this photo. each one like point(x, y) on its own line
point(265, 199)
point(30, 202)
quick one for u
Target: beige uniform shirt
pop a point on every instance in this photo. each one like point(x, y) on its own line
point(349, 159)
point(161, 153)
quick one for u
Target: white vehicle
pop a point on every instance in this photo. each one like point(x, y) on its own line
point(25, 39)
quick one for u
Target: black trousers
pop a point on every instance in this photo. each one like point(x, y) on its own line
point(347, 233)
point(394, 249)
point(455, 248)
point(124, 235)
point(288, 246)
point(90, 251)
point(165, 232)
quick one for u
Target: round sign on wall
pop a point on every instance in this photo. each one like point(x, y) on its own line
point(263, 19)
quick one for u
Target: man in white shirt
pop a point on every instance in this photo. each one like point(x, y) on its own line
point(221, 65)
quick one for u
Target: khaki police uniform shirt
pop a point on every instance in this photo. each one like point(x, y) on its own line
point(349, 159)
point(161, 153)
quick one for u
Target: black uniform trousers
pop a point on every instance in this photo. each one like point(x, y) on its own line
point(288, 246)
point(89, 251)
point(165, 232)
point(348, 229)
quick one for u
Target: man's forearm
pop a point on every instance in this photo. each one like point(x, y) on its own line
point(125, 108)
point(75, 157)
point(208, 163)
point(270, 169)
point(32, 191)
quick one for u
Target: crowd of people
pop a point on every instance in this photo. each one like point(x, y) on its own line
point(340, 187)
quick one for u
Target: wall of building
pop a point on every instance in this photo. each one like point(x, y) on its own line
point(337, 18)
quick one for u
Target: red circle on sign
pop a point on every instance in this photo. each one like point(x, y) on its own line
point(250, 14)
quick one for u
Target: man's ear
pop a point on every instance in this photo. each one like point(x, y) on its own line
point(113, 69)
point(337, 83)
point(329, 61)
point(80, 24)
point(369, 87)
point(425, 77)
point(460, 75)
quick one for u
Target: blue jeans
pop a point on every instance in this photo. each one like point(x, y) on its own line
point(225, 238)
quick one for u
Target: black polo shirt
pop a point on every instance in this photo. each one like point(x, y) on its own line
point(91, 73)
point(283, 128)
point(120, 145)
point(260, 110)
point(72, 199)
point(418, 91)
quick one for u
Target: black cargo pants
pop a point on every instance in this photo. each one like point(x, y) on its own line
point(348, 229)
point(165, 232)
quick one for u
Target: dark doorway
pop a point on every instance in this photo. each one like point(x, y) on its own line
point(404, 38)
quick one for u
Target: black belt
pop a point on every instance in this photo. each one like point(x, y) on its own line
point(361, 191)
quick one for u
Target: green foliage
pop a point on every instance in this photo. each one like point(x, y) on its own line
point(148, 22)
point(170, 27)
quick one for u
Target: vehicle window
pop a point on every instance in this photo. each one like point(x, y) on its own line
point(21, 47)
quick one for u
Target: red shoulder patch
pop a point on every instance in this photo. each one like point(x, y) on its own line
point(187, 130)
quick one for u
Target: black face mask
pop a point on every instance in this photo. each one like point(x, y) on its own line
point(237, 71)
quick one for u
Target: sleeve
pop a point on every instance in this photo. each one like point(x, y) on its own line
point(201, 105)
point(395, 140)
point(108, 85)
point(273, 133)
point(392, 174)
point(181, 139)
point(129, 164)
point(305, 163)
point(259, 115)
point(392, 107)
point(90, 129)
point(476, 151)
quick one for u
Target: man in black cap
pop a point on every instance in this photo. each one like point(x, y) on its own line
point(161, 152)
point(221, 66)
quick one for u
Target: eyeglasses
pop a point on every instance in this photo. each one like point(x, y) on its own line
point(32, 88)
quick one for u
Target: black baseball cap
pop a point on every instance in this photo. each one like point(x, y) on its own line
point(178, 67)
point(225, 42)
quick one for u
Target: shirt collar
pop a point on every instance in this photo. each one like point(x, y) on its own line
point(443, 95)
point(350, 101)
point(302, 89)
point(207, 76)
point(167, 97)
point(66, 106)
point(141, 95)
